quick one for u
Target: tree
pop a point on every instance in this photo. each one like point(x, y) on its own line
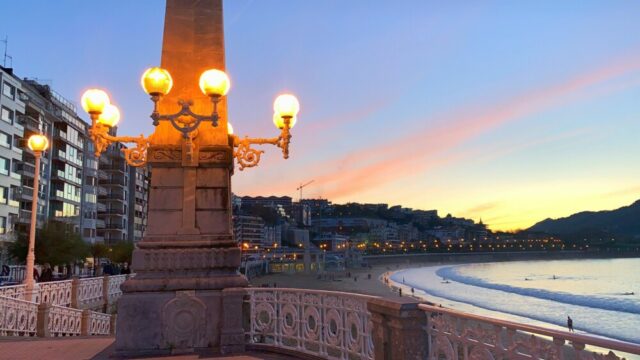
point(121, 252)
point(56, 244)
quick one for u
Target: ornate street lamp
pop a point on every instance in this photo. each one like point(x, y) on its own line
point(37, 143)
point(215, 84)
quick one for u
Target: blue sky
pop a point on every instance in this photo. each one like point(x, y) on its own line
point(509, 111)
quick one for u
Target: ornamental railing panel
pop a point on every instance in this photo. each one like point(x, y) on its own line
point(327, 324)
point(18, 317)
point(64, 321)
point(455, 335)
point(14, 291)
point(99, 323)
point(90, 292)
point(55, 292)
point(114, 286)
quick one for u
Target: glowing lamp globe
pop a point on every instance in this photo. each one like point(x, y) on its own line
point(156, 81)
point(38, 143)
point(286, 105)
point(229, 128)
point(94, 101)
point(278, 121)
point(110, 116)
point(214, 83)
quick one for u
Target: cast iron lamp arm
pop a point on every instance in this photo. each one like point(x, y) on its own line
point(135, 156)
point(250, 157)
point(185, 110)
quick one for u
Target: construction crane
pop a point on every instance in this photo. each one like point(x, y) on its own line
point(302, 186)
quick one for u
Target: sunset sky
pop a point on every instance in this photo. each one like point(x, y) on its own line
point(509, 111)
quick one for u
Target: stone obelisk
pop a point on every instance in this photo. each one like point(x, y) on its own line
point(187, 292)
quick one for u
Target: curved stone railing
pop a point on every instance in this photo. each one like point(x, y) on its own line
point(60, 308)
point(454, 335)
point(332, 325)
point(17, 317)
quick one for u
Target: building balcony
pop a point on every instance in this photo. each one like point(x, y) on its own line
point(58, 195)
point(112, 212)
point(102, 191)
point(114, 167)
point(100, 207)
point(100, 224)
point(61, 156)
point(102, 175)
point(23, 193)
point(29, 123)
point(113, 226)
point(59, 175)
point(112, 196)
point(24, 217)
point(115, 180)
point(25, 169)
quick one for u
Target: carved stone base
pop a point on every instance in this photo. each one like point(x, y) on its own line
point(175, 322)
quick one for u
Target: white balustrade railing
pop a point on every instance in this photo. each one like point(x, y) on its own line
point(14, 291)
point(64, 321)
point(332, 325)
point(55, 292)
point(454, 335)
point(17, 317)
point(90, 292)
point(114, 286)
point(99, 323)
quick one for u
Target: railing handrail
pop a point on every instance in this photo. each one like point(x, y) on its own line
point(558, 334)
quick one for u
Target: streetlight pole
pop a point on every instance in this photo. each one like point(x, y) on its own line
point(38, 144)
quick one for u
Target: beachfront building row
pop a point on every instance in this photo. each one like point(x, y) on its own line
point(94, 196)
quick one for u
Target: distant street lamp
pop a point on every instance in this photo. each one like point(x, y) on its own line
point(37, 143)
point(215, 84)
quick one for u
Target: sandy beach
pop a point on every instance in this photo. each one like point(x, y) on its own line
point(359, 281)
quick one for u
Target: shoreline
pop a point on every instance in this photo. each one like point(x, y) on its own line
point(379, 264)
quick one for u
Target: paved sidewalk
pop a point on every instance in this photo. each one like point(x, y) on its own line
point(96, 348)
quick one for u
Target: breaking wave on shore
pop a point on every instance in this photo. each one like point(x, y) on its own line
point(598, 294)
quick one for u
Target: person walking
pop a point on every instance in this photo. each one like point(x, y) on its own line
point(125, 268)
point(570, 323)
point(47, 273)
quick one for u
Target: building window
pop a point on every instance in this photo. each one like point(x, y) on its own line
point(5, 165)
point(5, 139)
point(9, 90)
point(16, 141)
point(3, 223)
point(4, 195)
point(6, 115)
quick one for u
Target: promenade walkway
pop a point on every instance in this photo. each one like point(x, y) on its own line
point(95, 348)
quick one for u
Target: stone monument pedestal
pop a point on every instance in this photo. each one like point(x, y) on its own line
point(187, 293)
point(176, 322)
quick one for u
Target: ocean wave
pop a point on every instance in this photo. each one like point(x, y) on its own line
point(604, 303)
point(607, 323)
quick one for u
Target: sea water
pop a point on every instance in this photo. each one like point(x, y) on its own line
point(602, 296)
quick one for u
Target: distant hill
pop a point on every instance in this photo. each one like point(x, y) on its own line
point(624, 221)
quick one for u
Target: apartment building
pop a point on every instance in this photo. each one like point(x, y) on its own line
point(66, 131)
point(11, 105)
point(138, 200)
point(116, 198)
point(249, 231)
point(101, 199)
